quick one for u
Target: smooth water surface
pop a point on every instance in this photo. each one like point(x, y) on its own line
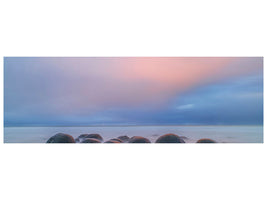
point(223, 134)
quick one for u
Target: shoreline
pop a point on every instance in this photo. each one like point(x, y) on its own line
point(228, 134)
point(139, 126)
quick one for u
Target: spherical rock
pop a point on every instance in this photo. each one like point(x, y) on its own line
point(138, 139)
point(91, 140)
point(81, 138)
point(113, 141)
point(124, 138)
point(206, 140)
point(170, 138)
point(117, 139)
point(61, 138)
point(94, 135)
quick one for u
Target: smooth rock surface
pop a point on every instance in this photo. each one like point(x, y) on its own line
point(124, 138)
point(206, 140)
point(61, 138)
point(138, 139)
point(91, 140)
point(170, 138)
point(113, 141)
point(94, 135)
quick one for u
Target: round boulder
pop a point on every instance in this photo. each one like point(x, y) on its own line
point(206, 140)
point(113, 141)
point(124, 138)
point(118, 140)
point(94, 135)
point(170, 138)
point(91, 140)
point(138, 139)
point(61, 138)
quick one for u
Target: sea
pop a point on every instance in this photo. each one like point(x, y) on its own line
point(221, 134)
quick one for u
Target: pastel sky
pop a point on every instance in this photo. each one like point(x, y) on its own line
point(81, 91)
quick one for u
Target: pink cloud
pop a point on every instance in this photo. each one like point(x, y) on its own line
point(102, 83)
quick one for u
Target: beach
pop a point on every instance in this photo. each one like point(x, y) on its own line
point(221, 134)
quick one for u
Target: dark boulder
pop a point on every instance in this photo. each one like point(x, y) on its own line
point(124, 138)
point(138, 139)
point(170, 138)
point(81, 138)
point(91, 140)
point(117, 139)
point(113, 141)
point(94, 135)
point(61, 138)
point(206, 140)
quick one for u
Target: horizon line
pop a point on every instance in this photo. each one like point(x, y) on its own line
point(138, 125)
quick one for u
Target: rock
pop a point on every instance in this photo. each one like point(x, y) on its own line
point(113, 141)
point(118, 140)
point(206, 140)
point(82, 137)
point(91, 140)
point(138, 139)
point(124, 138)
point(61, 138)
point(170, 138)
point(94, 135)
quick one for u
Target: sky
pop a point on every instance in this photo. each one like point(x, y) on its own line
point(80, 91)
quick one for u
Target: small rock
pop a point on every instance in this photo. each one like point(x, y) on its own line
point(61, 138)
point(170, 138)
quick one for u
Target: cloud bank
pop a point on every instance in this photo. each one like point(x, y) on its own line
point(92, 90)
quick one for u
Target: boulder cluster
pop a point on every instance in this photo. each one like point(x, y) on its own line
point(96, 138)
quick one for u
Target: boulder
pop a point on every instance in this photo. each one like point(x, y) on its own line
point(117, 139)
point(94, 135)
point(124, 138)
point(61, 138)
point(206, 140)
point(113, 141)
point(138, 139)
point(81, 138)
point(91, 140)
point(170, 138)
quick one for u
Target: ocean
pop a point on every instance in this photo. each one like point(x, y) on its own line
point(221, 134)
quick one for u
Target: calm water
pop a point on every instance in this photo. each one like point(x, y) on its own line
point(229, 134)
